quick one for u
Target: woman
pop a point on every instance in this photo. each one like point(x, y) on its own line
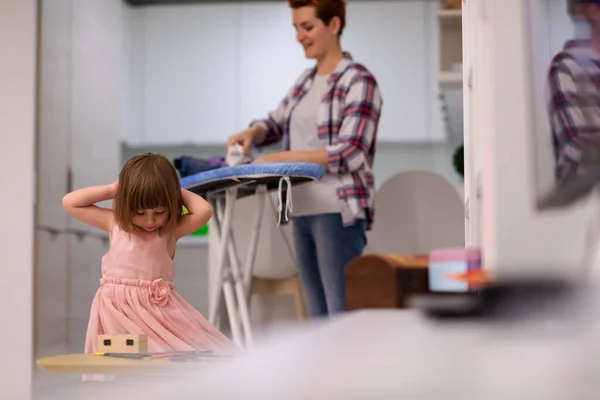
point(329, 117)
point(574, 112)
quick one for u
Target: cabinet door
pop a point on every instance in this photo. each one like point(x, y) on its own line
point(95, 125)
point(133, 67)
point(392, 39)
point(189, 74)
point(51, 294)
point(270, 58)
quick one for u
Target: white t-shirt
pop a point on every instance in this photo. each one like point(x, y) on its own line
point(318, 197)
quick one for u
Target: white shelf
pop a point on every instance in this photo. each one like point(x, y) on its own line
point(450, 19)
point(450, 78)
point(450, 13)
point(193, 241)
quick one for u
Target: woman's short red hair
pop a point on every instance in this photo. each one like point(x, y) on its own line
point(325, 10)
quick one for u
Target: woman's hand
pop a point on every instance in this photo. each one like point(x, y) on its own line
point(244, 138)
point(247, 137)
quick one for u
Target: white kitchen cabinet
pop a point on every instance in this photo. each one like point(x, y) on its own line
point(96, 106)
point(81, 107)
point(51, 266)
point(189, 73)
point(208, 70)
point(393, 40)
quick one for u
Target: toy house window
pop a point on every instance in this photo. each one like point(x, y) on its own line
point(129, 342)
point(107, 342)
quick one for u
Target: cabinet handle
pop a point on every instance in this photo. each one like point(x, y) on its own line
point(470, 80)
point(69, 180)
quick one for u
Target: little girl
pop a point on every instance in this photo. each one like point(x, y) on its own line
point(136, 293)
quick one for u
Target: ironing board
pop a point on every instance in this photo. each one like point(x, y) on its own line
point(222, 187)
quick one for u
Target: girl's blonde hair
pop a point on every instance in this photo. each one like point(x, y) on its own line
point(148, 181)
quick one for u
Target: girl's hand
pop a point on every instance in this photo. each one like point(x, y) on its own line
point(199, 212)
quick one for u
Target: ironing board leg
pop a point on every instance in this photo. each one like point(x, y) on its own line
point(243, 307)
point(218, 205)
point(229, 295)
point(215, 303)
point(238, 283)
point(261, 193)
point(223, 273)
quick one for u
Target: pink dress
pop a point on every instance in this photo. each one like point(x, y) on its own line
point(137, 296)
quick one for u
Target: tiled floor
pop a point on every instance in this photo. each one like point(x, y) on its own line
point(47, 386)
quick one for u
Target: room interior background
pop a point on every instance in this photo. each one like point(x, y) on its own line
point(118, 80)
point(82, 102)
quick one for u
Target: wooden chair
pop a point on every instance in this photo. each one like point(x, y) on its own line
point(417, 212)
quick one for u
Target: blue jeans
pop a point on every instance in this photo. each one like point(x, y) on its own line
point(324, 247)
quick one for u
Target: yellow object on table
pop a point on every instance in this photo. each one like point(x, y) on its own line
point(93, 364)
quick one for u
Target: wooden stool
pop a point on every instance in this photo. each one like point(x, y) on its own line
point(385, 280)
point(286, 286)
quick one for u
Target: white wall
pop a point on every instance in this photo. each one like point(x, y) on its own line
point(516, 238)
point(18, 40)
point(472, 165)
point(202, 72)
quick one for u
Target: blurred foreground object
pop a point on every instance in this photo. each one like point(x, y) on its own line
point(530, 340)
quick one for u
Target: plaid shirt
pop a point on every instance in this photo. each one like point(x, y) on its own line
point(574, 106)
point(347, 119)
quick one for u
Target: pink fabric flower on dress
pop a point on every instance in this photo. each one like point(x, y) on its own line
point(158, 292)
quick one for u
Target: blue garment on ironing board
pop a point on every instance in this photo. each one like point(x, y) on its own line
point(187, 165)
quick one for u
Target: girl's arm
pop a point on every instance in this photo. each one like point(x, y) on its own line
point(80, 204)
point(199, 212)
